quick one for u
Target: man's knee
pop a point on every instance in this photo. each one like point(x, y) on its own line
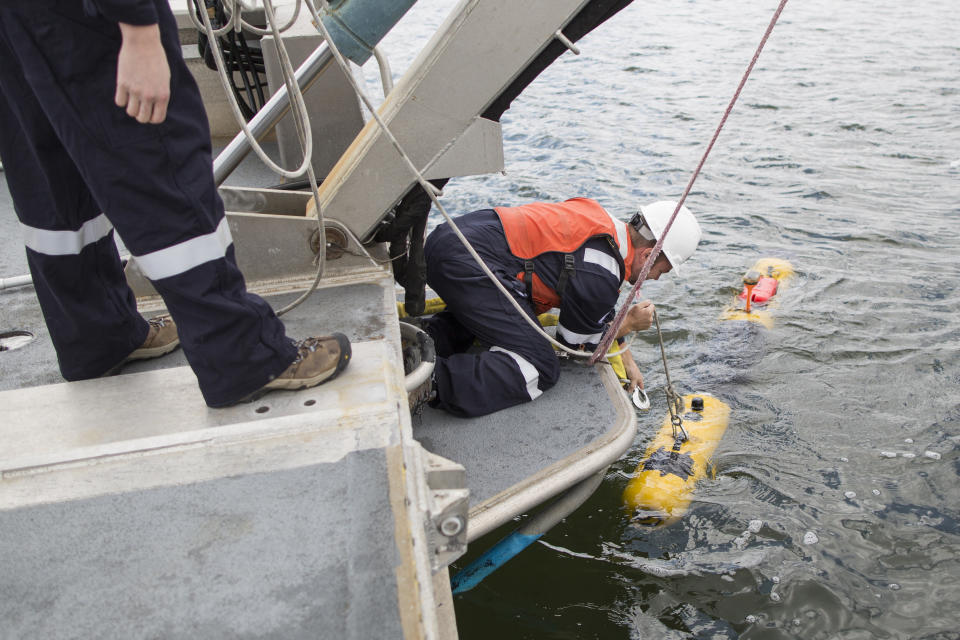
point(549, 369)
point(539, 368)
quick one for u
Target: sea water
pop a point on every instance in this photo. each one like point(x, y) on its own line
point(835, 512)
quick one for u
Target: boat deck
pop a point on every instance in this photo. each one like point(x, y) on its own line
point(154, 517)
point(517, 458)
point(131, 509)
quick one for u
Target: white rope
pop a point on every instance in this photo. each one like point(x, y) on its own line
point(296, 96)
point(298, 110)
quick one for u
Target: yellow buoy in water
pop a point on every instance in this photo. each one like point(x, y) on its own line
point(663, 484)
point(762, 282)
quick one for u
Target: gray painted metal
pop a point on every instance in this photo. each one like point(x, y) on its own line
point(478, 150)
point(129, 509)
point(275, 108)
point(572, 431)
point(437, 99)
point(475, 150)
point(276, 250)
point(36, 363)
point(82, 420)
point(335, 110)
point(447, 506)
point(168, 514)
point(148, 444)
point(357, 309)
point(268, 554)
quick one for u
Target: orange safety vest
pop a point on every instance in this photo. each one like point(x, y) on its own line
point(541, 227)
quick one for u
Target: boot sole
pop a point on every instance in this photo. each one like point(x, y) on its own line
point(141, 354)
point(154, 352)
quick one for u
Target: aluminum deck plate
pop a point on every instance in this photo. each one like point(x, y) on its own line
point(132, 514)
point(498, 453)
point(520, 457)
point(177, 570)
point(130, 509)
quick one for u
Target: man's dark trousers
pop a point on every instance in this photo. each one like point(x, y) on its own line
point(520, 364)
point(78, 167)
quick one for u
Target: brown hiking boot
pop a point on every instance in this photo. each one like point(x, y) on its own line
point(318, 360)
point(161, 340)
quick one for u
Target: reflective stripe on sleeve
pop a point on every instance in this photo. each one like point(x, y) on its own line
point(578, 338)
point(527, 370)
point(66, 243)
point(622, 236)
point(604, 260)
point(186, 255)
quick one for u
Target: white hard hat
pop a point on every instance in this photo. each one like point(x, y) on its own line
point(684, 234)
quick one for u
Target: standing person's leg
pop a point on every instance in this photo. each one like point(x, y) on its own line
point(520, 364)
point(155, 185)
point(90, 312)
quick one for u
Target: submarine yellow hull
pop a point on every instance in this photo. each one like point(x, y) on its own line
point(663, 484)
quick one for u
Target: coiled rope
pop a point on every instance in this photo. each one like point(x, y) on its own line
point(298, 109)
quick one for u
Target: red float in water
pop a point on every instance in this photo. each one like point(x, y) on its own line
point(765, 289)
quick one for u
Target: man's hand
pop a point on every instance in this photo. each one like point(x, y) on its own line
point(143, 75)
point(633, 371)
point(639, 318)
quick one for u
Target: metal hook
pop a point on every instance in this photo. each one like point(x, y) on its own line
point(640, 399)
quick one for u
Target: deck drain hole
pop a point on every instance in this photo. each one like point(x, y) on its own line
point(309, 403)
point(10, 340)
point(262, 409)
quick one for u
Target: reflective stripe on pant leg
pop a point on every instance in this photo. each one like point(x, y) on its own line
point(66, 242)
point(485, 312)
point(476, 384)
point(473, 384)
point(232, 339)
point(89, 311)
point(183, 256)
point(155, 184)
point(527, 370)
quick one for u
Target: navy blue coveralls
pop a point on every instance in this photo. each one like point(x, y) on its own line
point(78, 166)
point(520, 365)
